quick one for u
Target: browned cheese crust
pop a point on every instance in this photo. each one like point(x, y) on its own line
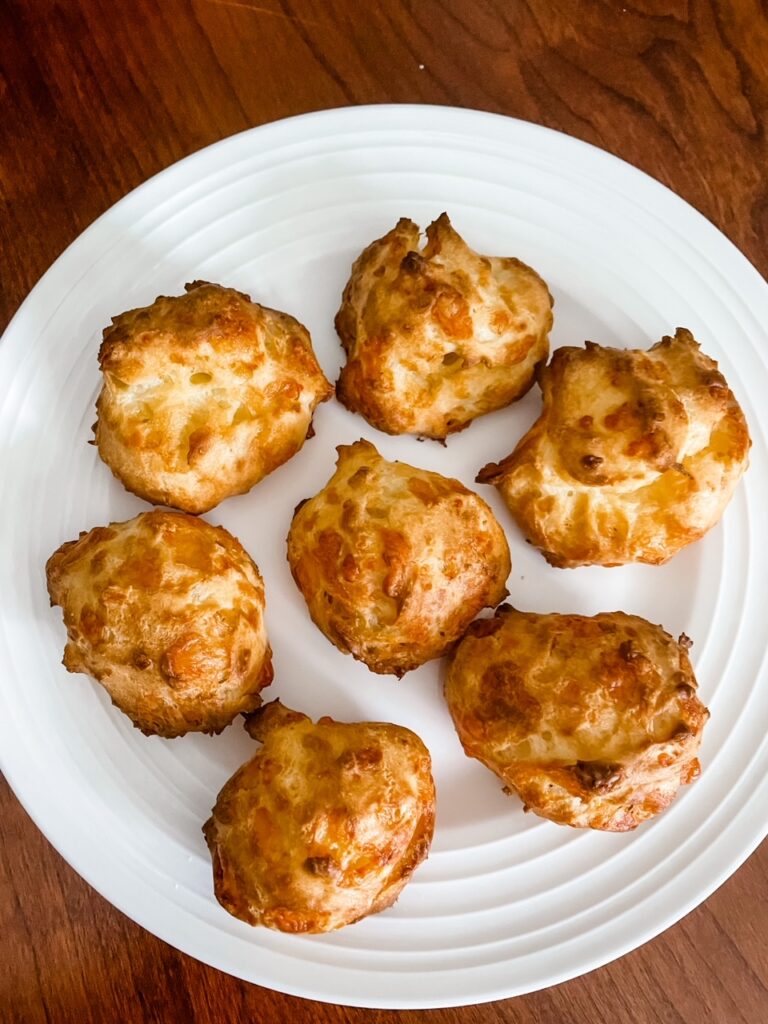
point(204, 394)
point(394, 562)
point(436, 338)
point(324, 826)
point(635, 455)
point(167, 613)
point(594, 722)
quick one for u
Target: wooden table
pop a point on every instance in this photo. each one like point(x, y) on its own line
point(97, 95)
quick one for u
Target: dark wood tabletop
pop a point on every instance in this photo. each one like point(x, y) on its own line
point(97, 95)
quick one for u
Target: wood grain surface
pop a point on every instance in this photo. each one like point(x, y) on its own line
point(97, 95)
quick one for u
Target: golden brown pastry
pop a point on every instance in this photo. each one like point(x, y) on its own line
point(203, 395)
point(437, 338)
point(394, 562)
point(635, 454)
point(324, 826)
point(593, 721)
point(167, 613)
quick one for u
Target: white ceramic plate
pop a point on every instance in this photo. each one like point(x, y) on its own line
point(507, 903)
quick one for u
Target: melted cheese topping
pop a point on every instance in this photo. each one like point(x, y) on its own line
point(204, 394)
point(635, 455)
point(436, 338)
point(167, 613)
point(593, 721)
point(324, 825)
